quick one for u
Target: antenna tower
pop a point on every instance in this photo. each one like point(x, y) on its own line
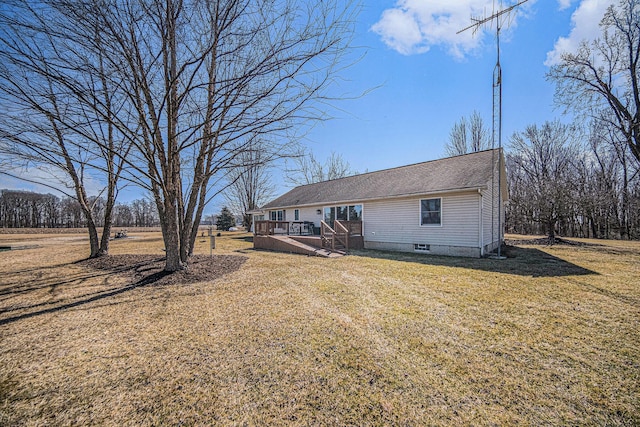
point(500, 17)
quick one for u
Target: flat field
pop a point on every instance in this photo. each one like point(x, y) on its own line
point(548, 336)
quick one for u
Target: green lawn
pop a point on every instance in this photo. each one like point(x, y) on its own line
point(549, 336)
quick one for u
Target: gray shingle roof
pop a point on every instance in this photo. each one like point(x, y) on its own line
point(469, 171)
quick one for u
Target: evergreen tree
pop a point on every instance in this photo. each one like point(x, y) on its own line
point(225, 219)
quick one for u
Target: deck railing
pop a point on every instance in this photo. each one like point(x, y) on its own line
point(333, 239)
point(301, 228)
point(326, 235)
point(269, 228)
point(354, 227)
point(341, 234)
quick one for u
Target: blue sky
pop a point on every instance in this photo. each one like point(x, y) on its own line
point(427, 77)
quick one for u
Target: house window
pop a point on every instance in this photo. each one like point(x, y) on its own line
point(296, 215)
point(277, 215)
point(355, 213)
point(431, 211)
point(342, 213)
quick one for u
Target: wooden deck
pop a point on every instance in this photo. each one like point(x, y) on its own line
point(298, 237)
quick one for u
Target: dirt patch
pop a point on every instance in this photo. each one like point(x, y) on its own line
point(147, 269)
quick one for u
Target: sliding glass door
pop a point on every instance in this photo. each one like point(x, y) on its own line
point(342, 213)
point(330, 215)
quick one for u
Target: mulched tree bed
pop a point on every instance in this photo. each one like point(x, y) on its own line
point(149, 269)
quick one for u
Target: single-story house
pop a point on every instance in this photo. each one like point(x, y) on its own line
point(449, 206)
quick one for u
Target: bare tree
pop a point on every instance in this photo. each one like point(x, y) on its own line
point(458, 139)
point(20, 209)
point(541, 166)
point(336, 167)
point(600, 195)
point(201, 76)
point(145, 213)
point(604, 74)
point(61, 110)
point(250, 184)
point(186, 82)
point(123, 215)
point(307, 170)
point(71, 213)
point(479, 133)
point(468, 136)
point(615, 167)
point(27, 209)
point(598, 172)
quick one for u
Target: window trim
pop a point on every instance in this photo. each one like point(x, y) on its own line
point(324, 214)
point(420, 212)
point(296, 214)
point(335, 208)
point(275, 213)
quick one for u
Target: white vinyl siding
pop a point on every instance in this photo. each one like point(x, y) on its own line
point(491, 232)
point(307, 213)
point(310, 214)
point(398, 221)
point(487, 217)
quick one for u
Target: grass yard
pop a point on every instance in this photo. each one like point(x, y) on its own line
point(549, 336)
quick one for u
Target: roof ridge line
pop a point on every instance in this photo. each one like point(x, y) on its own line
point(399, 167)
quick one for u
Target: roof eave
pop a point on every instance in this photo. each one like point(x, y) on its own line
point(398, 196)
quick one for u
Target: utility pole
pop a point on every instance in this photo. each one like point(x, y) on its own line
point(500, 17)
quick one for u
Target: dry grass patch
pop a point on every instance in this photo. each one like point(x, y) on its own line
point(548, 336)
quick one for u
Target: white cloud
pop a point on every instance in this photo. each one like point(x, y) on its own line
point(414, 26)
point(564, 4)
point(400, 30)
point(584, 26)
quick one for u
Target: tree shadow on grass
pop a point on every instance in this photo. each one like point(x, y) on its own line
point(143, 270)
point(40, 279)
point(87, 298)
point(37, 268)
point(519, 261)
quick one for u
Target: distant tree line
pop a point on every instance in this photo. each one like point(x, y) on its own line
point(583, 180)
point(24, 209)
point(175, 97)
point(575, 186)
point(580, 179)
point(567, 181)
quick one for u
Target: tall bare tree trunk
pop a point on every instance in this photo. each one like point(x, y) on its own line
point(551, 232)
point(173, 194)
